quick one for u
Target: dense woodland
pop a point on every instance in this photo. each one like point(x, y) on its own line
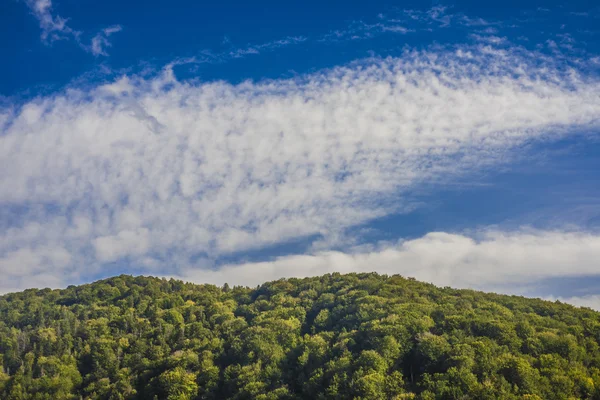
point(361, 336)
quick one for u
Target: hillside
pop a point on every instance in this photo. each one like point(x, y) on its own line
point(337, 336)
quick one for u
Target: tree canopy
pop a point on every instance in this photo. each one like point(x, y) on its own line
point(361, 336)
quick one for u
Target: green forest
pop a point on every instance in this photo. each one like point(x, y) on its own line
point(354, 336)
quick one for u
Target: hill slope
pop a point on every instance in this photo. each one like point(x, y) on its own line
point(336, 336)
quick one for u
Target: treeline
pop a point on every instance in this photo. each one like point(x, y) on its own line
point(361, 336)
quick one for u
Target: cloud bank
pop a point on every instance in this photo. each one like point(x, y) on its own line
point(167, 175)
point(591, 301)
point(491, 260)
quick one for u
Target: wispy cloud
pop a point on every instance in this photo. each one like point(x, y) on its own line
point(360, 30)
point(400, 23)
point(162, 173)
point(440, 16)
point(408, 21)
point(100, 42)
point(268, 46)
point(580, 13)
point(54, 27)
point(216, 57)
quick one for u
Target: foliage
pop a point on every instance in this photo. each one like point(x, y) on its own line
point(361, 336)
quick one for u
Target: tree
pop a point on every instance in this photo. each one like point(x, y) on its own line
point(178, 384)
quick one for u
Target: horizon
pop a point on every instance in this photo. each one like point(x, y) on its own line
point(256, 287)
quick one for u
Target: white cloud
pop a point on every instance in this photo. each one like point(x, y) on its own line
point(498, 261)
point(125, 243)
point(142, 169)
point(40, 266)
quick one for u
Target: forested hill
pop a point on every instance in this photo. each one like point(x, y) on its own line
point(337, 336)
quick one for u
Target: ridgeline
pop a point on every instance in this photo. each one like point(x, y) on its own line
point(361, 336)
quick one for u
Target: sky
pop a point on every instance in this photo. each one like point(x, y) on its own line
point(453, 142)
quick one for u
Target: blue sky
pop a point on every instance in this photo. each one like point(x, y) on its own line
point(230, 142)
